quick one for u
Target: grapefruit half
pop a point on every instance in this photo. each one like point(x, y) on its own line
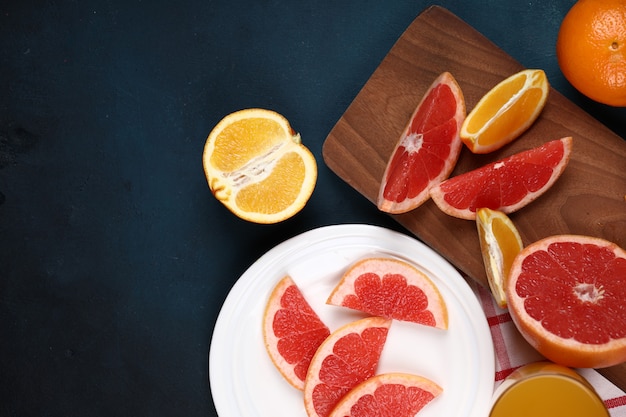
point(506, 185)
point(567, 296)
point(292, 331)
point(346, 358)
point(427, 150)
point(393, 289)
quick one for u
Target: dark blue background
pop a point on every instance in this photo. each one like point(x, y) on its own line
point(114, 256)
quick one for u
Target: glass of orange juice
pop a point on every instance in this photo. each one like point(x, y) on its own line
point(545, 389)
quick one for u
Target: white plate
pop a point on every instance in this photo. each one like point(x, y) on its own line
point(244, 382)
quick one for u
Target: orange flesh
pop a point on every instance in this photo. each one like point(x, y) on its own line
point(514, 116)
point(234, 146)
point(507, 242)
point(258, 197)
point(495, 102)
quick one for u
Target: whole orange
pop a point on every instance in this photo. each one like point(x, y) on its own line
point(591, 49)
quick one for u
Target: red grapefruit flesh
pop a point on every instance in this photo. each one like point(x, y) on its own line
point(567, 296)
point(393, 289)
point(346, 358)
point(506, 185)
point(394, 394)
point(292, 331)
point(428, 148)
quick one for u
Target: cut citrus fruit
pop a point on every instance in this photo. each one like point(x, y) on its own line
point(257, 166)
point(591, 49)
point(346, 358)
point(567, 296)
point(506, 185)
point(393, 394)
point(427, 150)
point(500, 243)
point(292, 331)
point(506, 111)
point(393, 289)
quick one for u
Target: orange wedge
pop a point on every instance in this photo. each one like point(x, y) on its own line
point(257, 167)
point(500, 243)
point(506, 111)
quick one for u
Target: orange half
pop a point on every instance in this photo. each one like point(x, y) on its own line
point(257, 167)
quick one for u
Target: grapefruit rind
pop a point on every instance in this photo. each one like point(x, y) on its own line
point(423, 391)
point(535, 85)
point(355, 376)
point(460, 196)
point(414, 142)
point(389, 266)
point(243, 181)
point(568, 351)
point(285, 367)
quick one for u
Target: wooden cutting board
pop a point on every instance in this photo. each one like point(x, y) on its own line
point(589, 198)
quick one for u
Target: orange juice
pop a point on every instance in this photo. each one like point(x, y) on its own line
point(545, 389)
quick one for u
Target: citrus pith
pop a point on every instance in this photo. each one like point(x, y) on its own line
point(427, 150)
point(506, 111)
point(393, 289)
point(567, 296)
point(258, 167)
point(292, 331)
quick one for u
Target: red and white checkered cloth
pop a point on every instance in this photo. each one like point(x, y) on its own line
point(512, 351)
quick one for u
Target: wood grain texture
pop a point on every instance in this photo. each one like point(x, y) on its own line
point(588, 199)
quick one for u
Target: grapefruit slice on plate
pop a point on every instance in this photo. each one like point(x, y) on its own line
point(427, 150)
point(346, 358)
point(567, 296)
point(505, 185)
point(292, 331)
point(392, 394)
point(393, 289)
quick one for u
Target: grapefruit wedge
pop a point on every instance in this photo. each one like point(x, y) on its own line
point(393, 289)
point(292, 331)
point(567, 296)
point(393, 394)
point(506, 185)
point(346, 358)
point(427, 150)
